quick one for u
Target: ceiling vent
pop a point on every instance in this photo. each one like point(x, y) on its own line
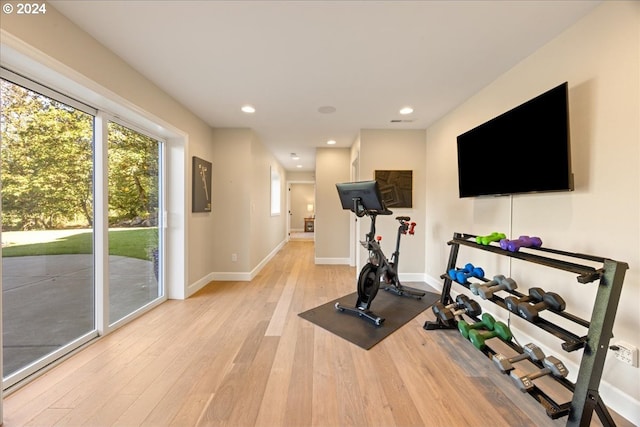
point(401, 121)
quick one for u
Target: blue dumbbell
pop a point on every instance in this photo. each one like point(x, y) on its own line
point(461, 275)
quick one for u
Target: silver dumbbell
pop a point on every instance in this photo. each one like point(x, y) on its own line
point(529, 351)
point(552, 366)
point(487, 289)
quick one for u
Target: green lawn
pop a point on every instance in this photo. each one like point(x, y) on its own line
point(135, 243)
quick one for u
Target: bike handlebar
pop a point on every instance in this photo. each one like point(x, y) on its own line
point(405, 226)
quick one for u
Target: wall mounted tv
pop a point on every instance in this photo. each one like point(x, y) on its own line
point(525, 150)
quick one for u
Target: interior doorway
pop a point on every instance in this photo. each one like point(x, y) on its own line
point(301, 205)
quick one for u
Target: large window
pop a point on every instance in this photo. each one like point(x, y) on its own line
point(72, 267)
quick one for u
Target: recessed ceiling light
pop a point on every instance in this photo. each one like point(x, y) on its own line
point(327, 109)
point(406, 110)
point(331, 142)
point(248, 109)
point(298, 166)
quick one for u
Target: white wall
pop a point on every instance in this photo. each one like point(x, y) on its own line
point(600, 58)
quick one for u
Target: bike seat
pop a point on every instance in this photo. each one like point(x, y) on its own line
point(403, 218)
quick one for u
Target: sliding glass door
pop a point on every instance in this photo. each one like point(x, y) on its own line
point(134, 164)
point(82, 229)
point(47, 228)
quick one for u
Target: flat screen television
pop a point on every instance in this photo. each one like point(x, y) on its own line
point(360, 196)
point(525, 150)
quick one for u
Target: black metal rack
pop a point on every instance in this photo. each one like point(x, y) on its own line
point(595, 343)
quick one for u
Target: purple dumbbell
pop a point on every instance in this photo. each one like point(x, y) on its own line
point(521, 242)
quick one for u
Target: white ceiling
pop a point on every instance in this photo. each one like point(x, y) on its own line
point(367, 59)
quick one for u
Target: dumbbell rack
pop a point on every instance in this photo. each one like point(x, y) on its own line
point(586, 397)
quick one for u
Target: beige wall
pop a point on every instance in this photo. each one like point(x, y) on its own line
point(301, 176)
point(266, 232)
point(241, 211)
point(230, 210)
point(600, 58)
point(397, 150)
point(332, 222)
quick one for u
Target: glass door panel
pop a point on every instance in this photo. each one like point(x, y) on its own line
point(47, 229)
point(134, 164)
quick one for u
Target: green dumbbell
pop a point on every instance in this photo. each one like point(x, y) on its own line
point(487, 321)
point(499, 330)
point(493, 237)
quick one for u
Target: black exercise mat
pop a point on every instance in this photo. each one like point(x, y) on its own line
point(397, 310)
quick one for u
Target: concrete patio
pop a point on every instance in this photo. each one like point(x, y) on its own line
point(48, 301)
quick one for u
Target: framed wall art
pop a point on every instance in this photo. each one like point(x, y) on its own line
point(396, 187)
point(201, 185)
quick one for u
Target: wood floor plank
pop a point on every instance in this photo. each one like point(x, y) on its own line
point(325, 397)
point(276, 325)
point(298, 409)
point(49, 417)
point(376, 406)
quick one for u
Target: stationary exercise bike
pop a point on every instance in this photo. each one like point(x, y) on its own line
point(363, 198)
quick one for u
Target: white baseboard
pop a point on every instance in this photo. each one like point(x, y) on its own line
point(411, 277)
point(332, 261)
point(199, 284)
point(625, 405)
point(235, 276)
point(231, 276)
point(435, 283)
point(266, 259)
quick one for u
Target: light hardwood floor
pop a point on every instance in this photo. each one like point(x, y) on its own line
point(238, 354)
